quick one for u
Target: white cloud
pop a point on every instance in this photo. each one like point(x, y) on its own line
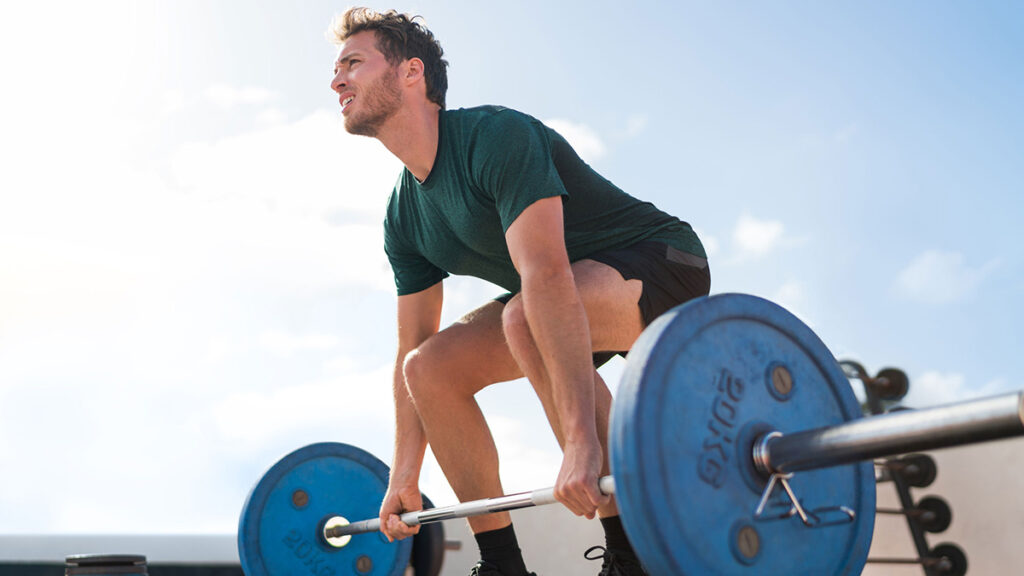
point(937, 277)
point(525, 465)
point(172, 101)
point(757, 238)
point(133, 309)
point(228, 97)
point(463, 294)
point(635, 125)
point(309, 167)
point(790, 295)
point(791, 291)
point(711, 243)
point(348, 401)
point(583, 139)
point(528, 454)
point(285, 344)
point(272, 116)
point(97, 454)
point(934, 388)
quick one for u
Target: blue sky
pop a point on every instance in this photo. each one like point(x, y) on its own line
point(191, 274)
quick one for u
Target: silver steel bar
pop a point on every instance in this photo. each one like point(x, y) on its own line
point(925, 515)
point(942, 563)
point(540, 497)
point(890, 434)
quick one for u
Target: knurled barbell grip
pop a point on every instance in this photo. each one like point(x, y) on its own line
point(540, 497)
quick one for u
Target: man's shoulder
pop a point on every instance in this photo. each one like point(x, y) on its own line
point(491, 127)
point(487, 115)
point(482, 111)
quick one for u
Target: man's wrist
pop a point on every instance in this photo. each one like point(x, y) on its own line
point(582, 435)
point(401, 476)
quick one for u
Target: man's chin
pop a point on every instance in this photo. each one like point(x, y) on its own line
point(353, 126)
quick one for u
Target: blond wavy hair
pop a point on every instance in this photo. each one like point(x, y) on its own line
point(399, 37)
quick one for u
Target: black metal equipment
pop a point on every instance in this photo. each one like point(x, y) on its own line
point(931, 514)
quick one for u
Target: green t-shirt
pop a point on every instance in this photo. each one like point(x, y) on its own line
point(491, 164)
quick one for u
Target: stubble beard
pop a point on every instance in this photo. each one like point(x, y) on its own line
point(379, 103)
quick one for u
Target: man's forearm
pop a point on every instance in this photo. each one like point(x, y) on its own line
point(410, 439)
point(558, 323)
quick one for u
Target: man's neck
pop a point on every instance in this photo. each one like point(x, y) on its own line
point(411, 135)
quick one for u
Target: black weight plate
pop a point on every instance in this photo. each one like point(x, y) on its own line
point(428, 546)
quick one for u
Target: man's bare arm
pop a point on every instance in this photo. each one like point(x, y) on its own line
point(558, 324)
point(419, 317)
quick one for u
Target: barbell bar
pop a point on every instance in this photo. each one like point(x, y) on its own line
point(879, 436)
point(732, 418)
point(334, 531)
point(894, 433)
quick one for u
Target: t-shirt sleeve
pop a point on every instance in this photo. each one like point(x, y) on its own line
point(512, 163)
point(413, 273)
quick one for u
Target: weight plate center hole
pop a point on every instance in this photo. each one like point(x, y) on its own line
point(341, 541)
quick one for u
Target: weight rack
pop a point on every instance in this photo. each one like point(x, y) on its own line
point(887, 387)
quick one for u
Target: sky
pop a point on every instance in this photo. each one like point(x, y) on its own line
point(192, 276)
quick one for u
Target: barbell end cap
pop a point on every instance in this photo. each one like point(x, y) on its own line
point(762, 456)
point(607, 485)
point(338, 527)
point(1020, 407)
point(337, 531)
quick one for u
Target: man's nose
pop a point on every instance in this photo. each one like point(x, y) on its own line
point(338, 83)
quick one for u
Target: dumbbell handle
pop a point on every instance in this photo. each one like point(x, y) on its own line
point(540, 497)
point(890, 434)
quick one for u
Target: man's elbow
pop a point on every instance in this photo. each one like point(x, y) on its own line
point(546, 274)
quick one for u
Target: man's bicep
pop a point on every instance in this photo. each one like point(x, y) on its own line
point(419, 316)
point(536, 238)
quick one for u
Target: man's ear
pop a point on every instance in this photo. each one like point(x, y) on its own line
point(413, 69)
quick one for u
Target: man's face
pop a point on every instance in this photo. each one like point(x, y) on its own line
point(367, 88)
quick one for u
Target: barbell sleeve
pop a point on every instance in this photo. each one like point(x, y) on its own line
point(890, 434)
point(540, 497)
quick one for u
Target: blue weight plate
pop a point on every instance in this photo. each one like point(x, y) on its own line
point(697, 390)
point(279, 530)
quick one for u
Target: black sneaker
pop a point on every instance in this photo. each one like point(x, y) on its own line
point(487, 569)
point(616, 562)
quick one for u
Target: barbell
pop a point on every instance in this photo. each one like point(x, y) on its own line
point(737, 446)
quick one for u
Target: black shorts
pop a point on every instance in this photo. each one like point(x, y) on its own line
point(669, 276)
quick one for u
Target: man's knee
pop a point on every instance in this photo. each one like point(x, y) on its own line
point(443, 366)
point(420, 369)
point(513, 320)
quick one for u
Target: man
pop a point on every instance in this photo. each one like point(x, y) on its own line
point(494, 193)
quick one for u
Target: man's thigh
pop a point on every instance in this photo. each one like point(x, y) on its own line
point(625, 290)
point(473, 350)
point(611, 304)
